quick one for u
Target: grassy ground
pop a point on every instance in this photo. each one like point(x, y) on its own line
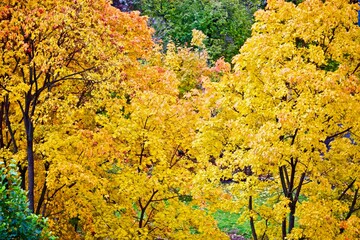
point(228, 223)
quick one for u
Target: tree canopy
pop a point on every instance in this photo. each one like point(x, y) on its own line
point(226, 23)
point(290, 113)
point(115, 137)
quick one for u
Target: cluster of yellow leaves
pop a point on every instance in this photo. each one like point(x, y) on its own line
point(131, 143)
point(198, 38)
point(112, 135)
point(290, 111)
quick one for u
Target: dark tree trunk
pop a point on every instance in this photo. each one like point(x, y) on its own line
point(30, 159)
point(23, 176)
point(252, 225)
point(283, 228)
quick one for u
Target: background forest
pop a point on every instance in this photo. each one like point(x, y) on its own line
point(202, 119)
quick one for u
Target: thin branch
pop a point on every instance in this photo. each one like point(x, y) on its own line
point(17, 60)
point(8, 124)
point(294, 136)
point(283, 228)
point(297, 194)
point(21, 107)
point(52, 214)
point(152, 229)
point(143, 208)
point(286, 176)
point(348, 187)
point(67, 77)
point(5, 88)
point(337, 134)
point(57, 190)
point(164, 199)
point(44, 189)
point(282, 179)
point(177, 160)
point(266, 226)
point(353, 203)
point(172, 157)
point(356, 68)
point(141, 154)
point(151, 212)
point(292, 178)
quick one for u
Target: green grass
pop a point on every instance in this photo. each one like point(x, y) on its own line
point(227, 222)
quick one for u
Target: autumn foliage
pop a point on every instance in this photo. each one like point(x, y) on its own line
point(116, 139)
point(290, 113)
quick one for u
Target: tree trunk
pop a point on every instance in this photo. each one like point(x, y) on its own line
point(30, 158)
point(252, 225)
point(23, 176)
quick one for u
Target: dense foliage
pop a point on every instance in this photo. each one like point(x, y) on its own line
point(115, 138)
point(226, 23)
point(16, 220)
point(287, 124)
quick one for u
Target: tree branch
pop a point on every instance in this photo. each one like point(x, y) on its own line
point(353, 203)
point(282, 179)
point(348, 187)
point(143, 208)
point(8, 124)
point(294, 136)
point(337, 134)
point(44, 189)
point(356, 68)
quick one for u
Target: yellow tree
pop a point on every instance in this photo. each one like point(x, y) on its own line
point(45, 46)
point(107, 138)
point(285, 125)
point(152, 189)
point(96, 120)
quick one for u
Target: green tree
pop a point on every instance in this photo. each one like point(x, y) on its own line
point(16, 220)
point(227, 23)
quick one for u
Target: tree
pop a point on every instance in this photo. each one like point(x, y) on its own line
point(16, 220)
point(91, 110)
point(227, 23)
point(138, 179)
point(289, 111)
point(47, 46)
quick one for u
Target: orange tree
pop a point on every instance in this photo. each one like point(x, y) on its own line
point(285, 124)
point(45, 46)
point(92, 113)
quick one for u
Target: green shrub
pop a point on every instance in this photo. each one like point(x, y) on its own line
point(16, 220)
